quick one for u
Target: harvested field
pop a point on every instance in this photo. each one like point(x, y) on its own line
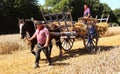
point(76, 61)
point(112, 31)
point(10, 43)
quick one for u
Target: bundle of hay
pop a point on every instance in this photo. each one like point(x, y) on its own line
point(52, 26)
point(80, 28)
point(62, 23)
point(101, 27)
point(64, 26)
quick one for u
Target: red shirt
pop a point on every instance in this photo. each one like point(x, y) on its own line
point(42, 35)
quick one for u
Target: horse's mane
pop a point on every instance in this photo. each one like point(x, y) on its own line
point(29, 22)
point(29, 26)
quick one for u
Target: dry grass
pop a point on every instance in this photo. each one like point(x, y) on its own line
point(101, 28)
point(77, 61)
point(10, 43)
point(103, 63)
point(112, 31)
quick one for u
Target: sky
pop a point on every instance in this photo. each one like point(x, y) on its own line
point(112, 3)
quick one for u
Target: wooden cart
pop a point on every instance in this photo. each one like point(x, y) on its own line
point(90, 39)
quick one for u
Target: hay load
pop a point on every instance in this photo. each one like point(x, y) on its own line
point(102, 27)
point(63, 25)
point(80, 28)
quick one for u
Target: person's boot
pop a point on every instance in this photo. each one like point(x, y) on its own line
point(50, 63)
point(36, 65)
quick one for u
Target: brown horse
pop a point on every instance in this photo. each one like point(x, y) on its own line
point(27, 26)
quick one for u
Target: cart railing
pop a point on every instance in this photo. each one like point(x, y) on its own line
point(59, 17)
point(103, 18)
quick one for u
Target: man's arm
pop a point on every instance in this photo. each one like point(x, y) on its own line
point(47, 38)
point(88, 15)
point(33, 37)
point(47, 41)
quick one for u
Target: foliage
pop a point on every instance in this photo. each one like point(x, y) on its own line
point(117, 13)
point(76, 7)
point(10, 10)
point(95, 7)
point(57, 5)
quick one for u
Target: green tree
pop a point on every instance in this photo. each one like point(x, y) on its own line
point(77, 9)
point(58, 5)
point(51, 3)
point(117, 14)
point(106, 10)
point(75, 5)
point(95, 7)
point(10, 10)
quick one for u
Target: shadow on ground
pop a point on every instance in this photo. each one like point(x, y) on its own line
point(78, 52)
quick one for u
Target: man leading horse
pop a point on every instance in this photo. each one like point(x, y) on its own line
point(42, 35)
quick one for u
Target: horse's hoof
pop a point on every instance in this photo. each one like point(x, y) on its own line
point(60, 55)
point(33, 52)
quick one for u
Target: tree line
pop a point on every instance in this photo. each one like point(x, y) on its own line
point(11, 10)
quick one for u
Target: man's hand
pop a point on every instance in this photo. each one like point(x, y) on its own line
point(29, 40)
point(46, 45)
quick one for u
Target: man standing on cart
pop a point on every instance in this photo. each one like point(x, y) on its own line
point(86, 14)
point(86, 11)
point(91, 28)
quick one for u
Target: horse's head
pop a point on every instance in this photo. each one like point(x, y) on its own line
point(22, 28)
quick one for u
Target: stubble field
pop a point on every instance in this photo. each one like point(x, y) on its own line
point(76, 61)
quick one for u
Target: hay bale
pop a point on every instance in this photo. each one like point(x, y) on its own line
point(80, 28)
point(51, 26)
point(101, 27)
point(62, 23)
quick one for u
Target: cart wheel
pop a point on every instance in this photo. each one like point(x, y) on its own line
point(67, 43)
point(90, 43)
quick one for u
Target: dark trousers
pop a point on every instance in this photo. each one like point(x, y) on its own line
point(45, 50)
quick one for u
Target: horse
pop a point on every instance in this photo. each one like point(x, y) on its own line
point(26, 26)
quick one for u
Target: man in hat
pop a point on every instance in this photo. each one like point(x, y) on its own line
point(42, 35)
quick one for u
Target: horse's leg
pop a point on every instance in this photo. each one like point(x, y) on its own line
point(60, 47)
point(58, 43)
point(32, 45)
point(50, 48)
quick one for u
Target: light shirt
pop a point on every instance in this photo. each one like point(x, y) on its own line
point(86, 12)
point(41, 35)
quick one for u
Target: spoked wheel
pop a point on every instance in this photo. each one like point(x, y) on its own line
point(90, 43)
point(67, 43)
